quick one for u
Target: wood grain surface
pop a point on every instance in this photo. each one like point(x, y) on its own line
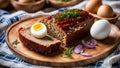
point(103, 48)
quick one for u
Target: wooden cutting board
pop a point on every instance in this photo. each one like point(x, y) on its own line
point(103, 48)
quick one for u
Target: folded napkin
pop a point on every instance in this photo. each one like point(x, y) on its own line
point(8, 59)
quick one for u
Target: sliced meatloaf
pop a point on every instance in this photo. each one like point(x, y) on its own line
point(45, 45)
point(69, 26)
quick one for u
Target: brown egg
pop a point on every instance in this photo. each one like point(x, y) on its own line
point(105, 11)
point(93, 5)
point(26, 1)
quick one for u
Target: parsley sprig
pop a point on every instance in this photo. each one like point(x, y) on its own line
point(67, 52)
point(15, 42)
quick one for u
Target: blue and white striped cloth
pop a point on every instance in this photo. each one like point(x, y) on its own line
point(8, 59)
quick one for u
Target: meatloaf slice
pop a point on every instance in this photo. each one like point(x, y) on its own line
point(69, 26)
point(45, 45)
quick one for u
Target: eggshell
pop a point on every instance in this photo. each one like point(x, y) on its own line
point(100, 29)
point(105, 11)
point(93, 5)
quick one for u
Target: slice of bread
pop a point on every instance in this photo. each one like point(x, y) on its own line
point(45, 45)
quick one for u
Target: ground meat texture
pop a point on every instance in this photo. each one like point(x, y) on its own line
point(69, 29)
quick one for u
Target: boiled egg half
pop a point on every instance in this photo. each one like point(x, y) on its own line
point(38, 30)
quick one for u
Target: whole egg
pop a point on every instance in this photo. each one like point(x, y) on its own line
point(105, 11)
point(100, 29)
point(93, 5)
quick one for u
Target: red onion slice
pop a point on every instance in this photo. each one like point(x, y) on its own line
point(78, 49)
point(89, 44)
point(86, 54)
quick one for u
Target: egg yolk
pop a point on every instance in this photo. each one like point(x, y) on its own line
point(38, 26)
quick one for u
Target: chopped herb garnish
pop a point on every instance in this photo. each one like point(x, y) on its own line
point(78, 17)
point(67, 52)
point(15, 42)
point(69, 14)
point(63, 0)
point(50, 39)
point(54, 20)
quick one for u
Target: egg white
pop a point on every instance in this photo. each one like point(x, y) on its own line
point(39, 33)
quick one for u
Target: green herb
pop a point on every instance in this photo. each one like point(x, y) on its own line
point(69, 14)
point(68, 52)
point(15, 42)
point(54, 20)
point(63, 0)
point(78, 17)
point(50, 39)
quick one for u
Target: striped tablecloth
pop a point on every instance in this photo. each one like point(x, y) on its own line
point(8, 59)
